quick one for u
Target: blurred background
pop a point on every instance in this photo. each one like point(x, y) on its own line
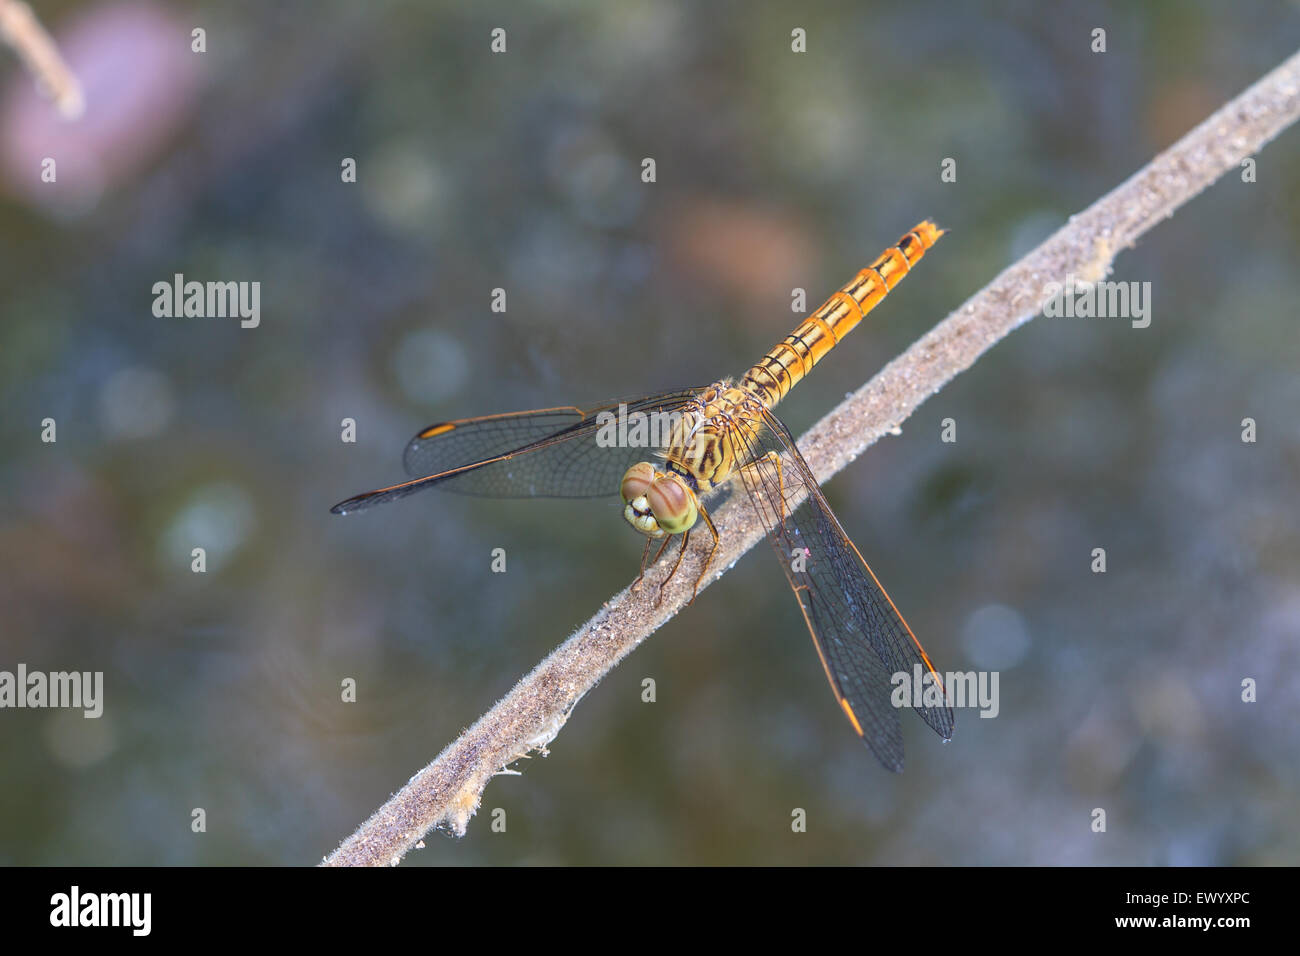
point(521, 170)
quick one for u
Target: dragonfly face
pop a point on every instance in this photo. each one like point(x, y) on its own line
point(658, 503)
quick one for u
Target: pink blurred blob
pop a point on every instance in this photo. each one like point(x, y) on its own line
point(138, 77)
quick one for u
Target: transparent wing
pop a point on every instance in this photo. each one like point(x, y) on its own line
point(860, 637)
point(543, 453)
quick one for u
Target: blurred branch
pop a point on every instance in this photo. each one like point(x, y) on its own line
point(22, 31)
point(447, 791)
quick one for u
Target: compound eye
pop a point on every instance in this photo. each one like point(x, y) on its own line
point(673, 504)
point(637, 481)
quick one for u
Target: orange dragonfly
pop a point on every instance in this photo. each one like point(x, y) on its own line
point(701, 439)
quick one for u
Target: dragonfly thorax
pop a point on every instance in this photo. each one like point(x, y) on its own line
point(658, 503)
point(710, 440)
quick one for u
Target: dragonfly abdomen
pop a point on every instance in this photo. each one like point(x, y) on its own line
point(794, 357)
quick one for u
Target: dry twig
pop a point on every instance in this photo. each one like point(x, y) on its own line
point(22, 31)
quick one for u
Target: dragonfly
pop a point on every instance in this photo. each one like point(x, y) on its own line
point(702, 440)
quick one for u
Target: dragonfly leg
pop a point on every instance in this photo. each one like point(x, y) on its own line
point(709, 560)
point(662, 548)
point(655, 560)
point(645, 553)
point(676, 564)
point(775, 459)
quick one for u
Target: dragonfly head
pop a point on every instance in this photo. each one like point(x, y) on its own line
point(657, 503)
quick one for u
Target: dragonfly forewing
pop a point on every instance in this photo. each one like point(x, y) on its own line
point(565, 452)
